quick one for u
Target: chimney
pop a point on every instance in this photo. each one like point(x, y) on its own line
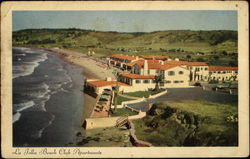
point(169, 60)
point(176, 59)
point(137, 58)
point(108, 79)
point(145, 67)
point(161, 62)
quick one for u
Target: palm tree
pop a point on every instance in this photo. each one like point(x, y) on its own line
point(158, 79)
point(116, 92)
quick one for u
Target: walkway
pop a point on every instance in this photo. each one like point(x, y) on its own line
point(187, 94)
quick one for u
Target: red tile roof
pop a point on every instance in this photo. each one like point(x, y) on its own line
point(222, 68)
point(186, 63)
point(156, 57)
point(125, 57)
point(136, 76)
point(196, 64)
point(103, 83)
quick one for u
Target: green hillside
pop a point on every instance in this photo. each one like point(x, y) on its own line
point(214, 47)
point(190, 123)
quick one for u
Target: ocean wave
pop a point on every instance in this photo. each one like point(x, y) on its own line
point(39, 133)
point(27, 68)
point(21, 106)
point(16, 117)
point(41, 92)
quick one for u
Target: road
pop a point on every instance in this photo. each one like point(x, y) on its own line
point(196, 93)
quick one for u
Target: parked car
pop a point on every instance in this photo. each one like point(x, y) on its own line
point(197, 84)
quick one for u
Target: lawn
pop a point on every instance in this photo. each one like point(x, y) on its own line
point(123, 112)
point(121, 99)
point(144, 94)
point(190, 123)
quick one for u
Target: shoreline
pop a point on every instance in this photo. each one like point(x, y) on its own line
point(90, 69)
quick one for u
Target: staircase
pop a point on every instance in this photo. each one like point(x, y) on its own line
point(121, 121)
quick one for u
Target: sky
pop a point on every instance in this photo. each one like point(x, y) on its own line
point(126, 21)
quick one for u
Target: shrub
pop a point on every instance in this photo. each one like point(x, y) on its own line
point(213, 82)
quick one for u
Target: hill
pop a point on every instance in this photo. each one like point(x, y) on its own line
point(214, 47)
point(190, 123)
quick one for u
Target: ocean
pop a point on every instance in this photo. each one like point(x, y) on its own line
point(47, 99)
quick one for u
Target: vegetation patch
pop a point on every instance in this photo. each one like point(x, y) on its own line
point(106, 137)
point(190, 123)
point(214, 47)
point(121, 99)
point(144, 94)
point(123, 112)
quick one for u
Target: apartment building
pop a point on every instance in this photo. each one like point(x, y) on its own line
point(222, 73)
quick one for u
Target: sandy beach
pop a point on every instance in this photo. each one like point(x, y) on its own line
point(92, 68)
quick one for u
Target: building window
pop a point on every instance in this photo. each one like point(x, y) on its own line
point(171, 73)
point(137, 81)
point(146, 81)
point(205, 68)
point(157, 71)
point(153, 81)
point(181, 72)
point(168, 81)
point(201, 68)
point(181, 81)
point(161, 83)
point(224, 72)
point(236, 71)
point(176, 81)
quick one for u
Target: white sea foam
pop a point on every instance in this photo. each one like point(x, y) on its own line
point(20, 54)
point(39, 133)
point(16, 117)
point(41, 92)
point(21, 106)
point(27, 68)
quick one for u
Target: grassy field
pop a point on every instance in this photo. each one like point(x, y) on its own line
point(190, 123)
point(141, 94)
point(199, 45)
point(121, 99)
point(122, 112)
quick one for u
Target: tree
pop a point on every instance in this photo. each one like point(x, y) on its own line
point(116, 92)
point(216, 57)
point(200, 59)
point(158, 79)
point(188, 57)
